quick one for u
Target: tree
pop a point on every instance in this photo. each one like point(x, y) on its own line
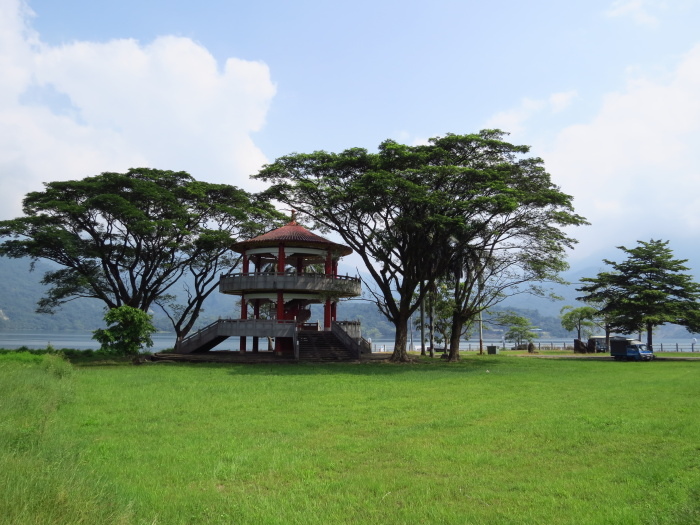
point(443, 306)
point(406, 210)
point(646, 290)
point(522, 246)
point(520, 329)
point(580, 319)
point(127, 239)
point(129, 329)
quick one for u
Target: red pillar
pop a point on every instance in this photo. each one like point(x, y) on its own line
point(280, 306)
point(327, 315)
point(329, 263)
point(256, 315)
point(333, 311)
point(280, 259)
point(246, 265)
point(244, 308)
point(280, 316)
point(244, 315)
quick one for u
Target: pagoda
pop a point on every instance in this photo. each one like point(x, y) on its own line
point(284, 271)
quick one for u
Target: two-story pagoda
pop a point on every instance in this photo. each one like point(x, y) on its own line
point(283, 272)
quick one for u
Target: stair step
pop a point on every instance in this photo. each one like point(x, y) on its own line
point(322, 347)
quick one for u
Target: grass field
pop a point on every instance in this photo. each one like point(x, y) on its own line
point(493, 439)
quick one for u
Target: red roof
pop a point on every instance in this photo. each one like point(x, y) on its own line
point(291, 234)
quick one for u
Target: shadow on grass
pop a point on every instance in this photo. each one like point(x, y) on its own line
point(423, 365)
point(373, 368)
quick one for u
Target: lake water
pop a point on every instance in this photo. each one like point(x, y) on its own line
point(75, 340)
point(163, 341)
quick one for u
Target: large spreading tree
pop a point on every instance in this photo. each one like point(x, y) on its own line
point(522, 246)
point(648, 289)
point(142, 238)
point(410, 211)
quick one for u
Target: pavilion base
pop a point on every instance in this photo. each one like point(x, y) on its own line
point(225, 356)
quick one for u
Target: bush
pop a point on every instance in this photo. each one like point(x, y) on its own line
point(129, 330)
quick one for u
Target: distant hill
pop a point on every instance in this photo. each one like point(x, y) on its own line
point(20, 289)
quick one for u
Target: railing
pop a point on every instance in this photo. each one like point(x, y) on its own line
point(197, 337)
point(352, 328)
point(308, 282)
point(356, 343)
point(677, 347)
point(554, 345)
point(234, 328)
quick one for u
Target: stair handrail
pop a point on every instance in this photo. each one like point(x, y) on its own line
point(196, 335)
point(358, 345)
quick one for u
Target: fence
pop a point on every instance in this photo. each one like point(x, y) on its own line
point(388, 346)
point(676, 347)
point(553, 345)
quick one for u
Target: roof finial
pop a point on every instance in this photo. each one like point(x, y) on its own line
point(294, 218)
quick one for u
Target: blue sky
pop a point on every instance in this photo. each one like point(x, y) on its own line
point(607, 92)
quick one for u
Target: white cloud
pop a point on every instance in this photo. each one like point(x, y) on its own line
point(404, 137)
point(560, 101)
point(634, 168)
point(638, 10)
point(76, 110)
point(513, 120)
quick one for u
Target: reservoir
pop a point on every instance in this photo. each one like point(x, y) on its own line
point(164, 341)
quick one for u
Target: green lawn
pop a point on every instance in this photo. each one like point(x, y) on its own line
point(493, 439)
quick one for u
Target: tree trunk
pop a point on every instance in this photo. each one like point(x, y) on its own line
point(650, 329)
point(457, 324)
point(400, 355)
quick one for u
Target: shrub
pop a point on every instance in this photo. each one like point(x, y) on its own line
point(20, 356)
point(129, 330)
point(57, 365)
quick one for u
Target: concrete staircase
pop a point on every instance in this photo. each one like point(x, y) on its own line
point(323, 347)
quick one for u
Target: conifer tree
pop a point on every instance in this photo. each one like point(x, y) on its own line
point(648, 289)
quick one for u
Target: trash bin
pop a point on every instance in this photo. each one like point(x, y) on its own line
point(492, 349)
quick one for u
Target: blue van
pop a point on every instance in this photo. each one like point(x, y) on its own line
point(624, 348)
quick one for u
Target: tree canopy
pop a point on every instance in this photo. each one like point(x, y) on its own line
point(408, 211)
point(520, 248)
point(580, 320)
point(519, 329)
point(128, 238)
point(648, 289)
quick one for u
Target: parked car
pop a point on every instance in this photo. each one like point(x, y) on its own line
point(599, 342)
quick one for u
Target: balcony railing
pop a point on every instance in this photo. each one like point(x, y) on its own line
point(338, 285)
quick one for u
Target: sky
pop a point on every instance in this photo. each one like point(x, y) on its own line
point(606, 92)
